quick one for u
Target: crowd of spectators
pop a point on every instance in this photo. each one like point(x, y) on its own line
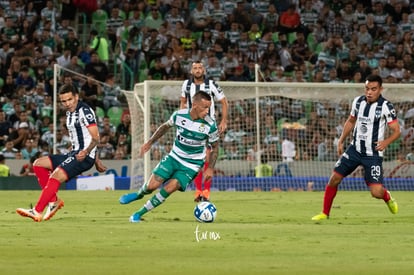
point(292, 41)
point(34, 36)
point(306, 40)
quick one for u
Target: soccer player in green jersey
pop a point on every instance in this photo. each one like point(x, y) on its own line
point(195, 130)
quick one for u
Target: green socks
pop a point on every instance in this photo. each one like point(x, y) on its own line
point(153, 202)
point(143, 191)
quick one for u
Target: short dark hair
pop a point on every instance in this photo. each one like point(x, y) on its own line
point(374, 78)
point(68, 88)
point(201, 95)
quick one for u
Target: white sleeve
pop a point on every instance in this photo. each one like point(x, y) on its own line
point(354, 111)
point(216, 91)
point(184, 88)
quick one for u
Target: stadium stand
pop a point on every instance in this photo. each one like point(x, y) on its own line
point(33, 36)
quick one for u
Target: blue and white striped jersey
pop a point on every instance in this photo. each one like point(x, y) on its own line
point(77, 124)
point(189, 88)
point(192, 136)
point(371, 123)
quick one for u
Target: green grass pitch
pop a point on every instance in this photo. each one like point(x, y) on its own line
point(255, 233)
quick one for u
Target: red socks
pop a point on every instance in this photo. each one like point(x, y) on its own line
point(42, 175)
point(48, 194)
point(386, 196)
point(207, 183)
point(198, 181)
point(330, 193)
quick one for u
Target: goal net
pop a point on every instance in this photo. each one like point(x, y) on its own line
point(294, 127)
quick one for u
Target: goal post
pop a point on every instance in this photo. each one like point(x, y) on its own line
point(262, 116)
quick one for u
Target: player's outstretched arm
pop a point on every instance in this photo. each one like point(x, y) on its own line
point(157, 134)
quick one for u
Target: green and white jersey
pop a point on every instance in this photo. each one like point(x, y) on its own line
point(191, 139)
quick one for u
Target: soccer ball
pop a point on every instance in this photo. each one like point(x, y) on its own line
point(205, 212)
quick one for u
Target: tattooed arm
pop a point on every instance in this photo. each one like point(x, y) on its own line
point(157, 134)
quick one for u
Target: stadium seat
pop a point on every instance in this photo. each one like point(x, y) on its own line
point(311, 41)
point(196, 35)
point(143, 69)
point(319, 48)
point(308, 108)
point(123, 14)
point(100, 113)
point(291, 37)
point(143, 75)
point(115, 114)
point(221, 153)
point(393, 149)
point(275, 37)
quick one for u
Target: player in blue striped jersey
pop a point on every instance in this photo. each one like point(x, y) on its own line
point(370, 115)
point(53, 170)
point(195, 129)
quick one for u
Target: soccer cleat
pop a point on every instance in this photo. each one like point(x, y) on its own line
point(197, 195)
point(52, 208)
point(135, 218)
point(31, 213)
point(198, 198)
point(206, 195)
point(320, 217)
point(392, 205)
point(130, 197)
point(204, 199)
